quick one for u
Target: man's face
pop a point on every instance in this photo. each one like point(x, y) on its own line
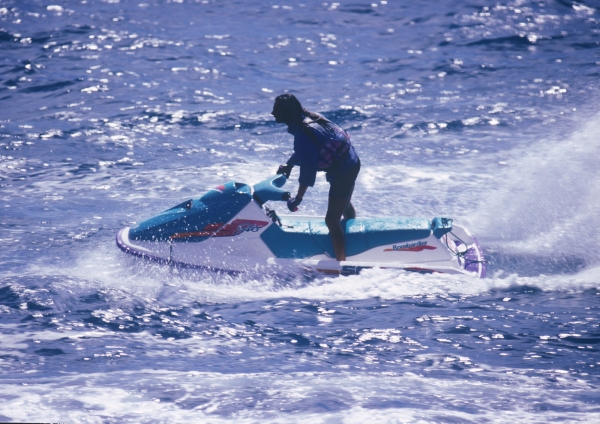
point(277, 113)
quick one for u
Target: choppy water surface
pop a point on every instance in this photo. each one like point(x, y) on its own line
point(114, 110)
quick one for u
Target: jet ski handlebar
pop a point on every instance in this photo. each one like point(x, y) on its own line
point(270, 189)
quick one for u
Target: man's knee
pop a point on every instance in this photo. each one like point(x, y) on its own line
point(331, 222)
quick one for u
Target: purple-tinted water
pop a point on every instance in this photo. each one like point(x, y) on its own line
point(115, 110)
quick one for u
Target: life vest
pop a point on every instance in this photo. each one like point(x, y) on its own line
point(333, 143)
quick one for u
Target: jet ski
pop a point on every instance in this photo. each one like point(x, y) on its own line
point(231, 229)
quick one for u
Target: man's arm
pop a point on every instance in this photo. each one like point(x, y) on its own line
point(301, 190)
point(292, 204)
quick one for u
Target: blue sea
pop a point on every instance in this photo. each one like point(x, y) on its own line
point(485, 112)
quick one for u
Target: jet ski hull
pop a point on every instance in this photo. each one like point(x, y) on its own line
point(231, 231)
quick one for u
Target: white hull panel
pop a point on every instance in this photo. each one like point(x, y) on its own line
point(247, 253)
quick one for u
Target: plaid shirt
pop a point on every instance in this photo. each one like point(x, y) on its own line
point(321, 146)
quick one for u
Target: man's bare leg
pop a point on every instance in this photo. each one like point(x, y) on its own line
point(335, 209)
point(349, 212)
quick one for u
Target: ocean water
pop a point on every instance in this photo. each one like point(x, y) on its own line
point(486, 112)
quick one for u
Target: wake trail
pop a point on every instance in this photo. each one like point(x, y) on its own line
point(546, 206)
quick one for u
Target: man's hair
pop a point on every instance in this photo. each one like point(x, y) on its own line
point(291, 109)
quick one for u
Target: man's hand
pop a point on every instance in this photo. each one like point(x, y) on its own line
point(285, 170)
point(292, 204)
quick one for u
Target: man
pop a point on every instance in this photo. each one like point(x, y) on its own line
point(320, 145)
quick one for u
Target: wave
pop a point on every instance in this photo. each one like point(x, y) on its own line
point(228, 120)
point(49, 87)
point(546, 203)
point(357, 8)
point(104, 267)
point(6, 36)
point(502, 43)
point(486, 394)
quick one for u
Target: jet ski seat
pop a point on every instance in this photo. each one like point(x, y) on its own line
point(304, 238)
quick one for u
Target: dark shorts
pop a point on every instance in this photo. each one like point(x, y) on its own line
point(342, 184)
